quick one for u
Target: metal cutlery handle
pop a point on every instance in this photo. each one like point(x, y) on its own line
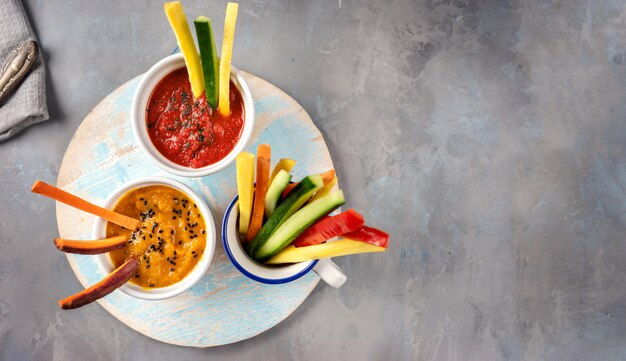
point(18, 64)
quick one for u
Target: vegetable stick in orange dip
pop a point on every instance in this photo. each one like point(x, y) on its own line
point(71, 200)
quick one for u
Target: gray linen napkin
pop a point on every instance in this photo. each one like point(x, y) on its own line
point(27, 105)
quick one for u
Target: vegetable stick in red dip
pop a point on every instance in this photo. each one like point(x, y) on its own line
point(187, 131)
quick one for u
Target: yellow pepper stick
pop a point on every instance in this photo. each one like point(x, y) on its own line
point(286, 164)
point(178, 22)
point(245, 187)
point(223, 104)
point(342, 247)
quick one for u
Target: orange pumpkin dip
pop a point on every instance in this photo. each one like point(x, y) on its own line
point(169, 240)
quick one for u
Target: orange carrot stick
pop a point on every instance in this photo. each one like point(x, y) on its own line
point(62, 196)
point(91, 247)
point(288, 189)
point(263, 158)
point(328, 176)
point(110, 283)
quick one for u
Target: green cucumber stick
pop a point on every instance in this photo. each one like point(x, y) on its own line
point(208, 55)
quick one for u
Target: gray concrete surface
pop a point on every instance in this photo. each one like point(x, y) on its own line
point(488, 137)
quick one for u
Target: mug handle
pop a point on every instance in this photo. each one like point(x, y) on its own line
point(330, 273)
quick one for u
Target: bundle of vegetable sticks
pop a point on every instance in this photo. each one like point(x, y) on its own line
point(207, 74)
point(285, 222)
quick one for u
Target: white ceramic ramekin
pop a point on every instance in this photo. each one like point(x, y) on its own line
point(325, 268)
point(138, 118)
point(106, 265)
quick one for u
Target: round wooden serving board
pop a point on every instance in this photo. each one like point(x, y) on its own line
point(225, 306)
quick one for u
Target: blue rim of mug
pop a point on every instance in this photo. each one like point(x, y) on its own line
point(233, 260)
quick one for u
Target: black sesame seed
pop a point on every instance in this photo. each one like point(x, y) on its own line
point(147, 266)
point(174, 217)
point(136, 276)
point(180, 242)
point(193, 252)
point(150, 235)
point(172, 232)
point(144, 237)
point(194, 206)
point(171, 269)
point(203, 231)
point(195, 256)
point(152, 285)
point(160, 231)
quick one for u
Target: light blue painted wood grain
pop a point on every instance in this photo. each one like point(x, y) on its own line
point(225, 306)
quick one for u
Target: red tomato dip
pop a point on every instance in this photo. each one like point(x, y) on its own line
point(188, 131)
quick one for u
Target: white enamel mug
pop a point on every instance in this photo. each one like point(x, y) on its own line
point(328, 271)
